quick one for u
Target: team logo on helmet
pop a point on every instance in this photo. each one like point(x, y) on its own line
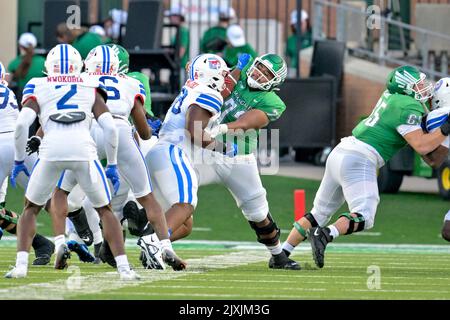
point(214, 63)
point(438, 85)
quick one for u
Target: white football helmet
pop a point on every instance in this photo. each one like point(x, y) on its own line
point(63, 59)
point(102, 59)
point(209, 69)
point(3, 74)
point(441, 94)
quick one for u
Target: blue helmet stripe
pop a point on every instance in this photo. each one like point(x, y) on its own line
point(192, 68)
point(61, 57)
point(103, 59)
point(66, 51)
point(108, 60)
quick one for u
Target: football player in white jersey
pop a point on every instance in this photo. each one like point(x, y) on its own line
point(126, 97)
point(66, 104)
point(8, 219)
point(170, 160)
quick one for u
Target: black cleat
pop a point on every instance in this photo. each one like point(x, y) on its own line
point(106, 255)
point(43, 249)
point(319, 238)
point(81, 225)
point(137, 219)
point(281, 261)
point(97, 248)
point(173, 260)
point(62, 255)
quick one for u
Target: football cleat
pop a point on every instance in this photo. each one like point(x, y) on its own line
point(106, 255)
point(319, 238)
point(281, 261)
point(173, 260)
point(17, 272)
point(129, 275)
point(81, 225)
point(151, 252)
point(44, 253)
point(81, 250)
point(62, 254)
point(135, 218)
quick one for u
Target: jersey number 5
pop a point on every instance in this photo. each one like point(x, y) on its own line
point(62, 103)
point(375, 115)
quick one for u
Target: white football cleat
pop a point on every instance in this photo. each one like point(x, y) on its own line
point(151, 252)
point(16, 272)
point(130, 275)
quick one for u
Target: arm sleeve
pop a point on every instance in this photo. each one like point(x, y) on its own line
point(272, 106)
point(29, 91)
point(24, 121)
point(210, 101)
point(106, 121)
point(410, 120)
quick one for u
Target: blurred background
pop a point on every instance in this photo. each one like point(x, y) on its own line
point(339, 54)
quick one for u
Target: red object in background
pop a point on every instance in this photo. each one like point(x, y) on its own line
point(299, 204)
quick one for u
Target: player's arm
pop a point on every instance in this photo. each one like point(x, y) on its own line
point(106, 122)
point(27, 115)
point(197, 119)
point(436, 157)
point(424, 143)
point(139, 119)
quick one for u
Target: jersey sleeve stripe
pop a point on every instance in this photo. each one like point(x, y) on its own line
point(438, 119)
point(30, 85)
point(203, 102)
point(28, 91)
point(211, 98)
point(142, 92)
point(435, 125)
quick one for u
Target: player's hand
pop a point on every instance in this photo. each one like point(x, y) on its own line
point(113, 175)
point(19, 167)
point(231, 150)
point(243, 59)
point(155, 124)
point(33, 145)
point(218, 130)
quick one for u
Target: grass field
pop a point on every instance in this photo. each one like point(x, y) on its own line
point(361, 266)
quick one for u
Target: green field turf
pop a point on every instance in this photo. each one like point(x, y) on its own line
point(230, 270)
point(401, 218)
point(230, 274)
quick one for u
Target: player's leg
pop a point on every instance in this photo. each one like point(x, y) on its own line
point(42, 180)
point(92, 180)
point(446, 227)
point(242, 178)
point(184, 230)
point(328, 199)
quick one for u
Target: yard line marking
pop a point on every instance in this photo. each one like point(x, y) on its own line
point(109, 281)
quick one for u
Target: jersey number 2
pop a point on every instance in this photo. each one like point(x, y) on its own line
point(62, 103)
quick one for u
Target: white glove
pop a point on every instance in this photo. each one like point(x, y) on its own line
point(218, 130)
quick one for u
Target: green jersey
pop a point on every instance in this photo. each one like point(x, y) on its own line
point(243, 99)
point(392, 114)
point(142, 78)
point(214, 40)
point(86, 42)
point(291, 47)
point(36, 69)
point(184, 43)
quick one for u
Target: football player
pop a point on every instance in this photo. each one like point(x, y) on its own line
point(351, 168)
point(252, 105)
point(170, 160)
point(8, 220)
point(66, 104)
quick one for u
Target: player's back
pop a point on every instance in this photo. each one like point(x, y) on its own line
point(65, 114)
point(8, 109)
point(122, 92)
point(380, 129)
point(192, 93)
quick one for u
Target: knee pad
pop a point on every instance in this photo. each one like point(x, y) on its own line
point(352, 220)
point(255, 209)
point(266, 230)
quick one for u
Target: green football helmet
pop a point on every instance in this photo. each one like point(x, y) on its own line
point(408, 80)
point(124, 57)
point(275, 64)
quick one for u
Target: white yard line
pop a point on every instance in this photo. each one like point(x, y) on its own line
point(108, 281)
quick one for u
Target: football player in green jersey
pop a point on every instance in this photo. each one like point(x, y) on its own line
point(251, 105)
point(351, 168)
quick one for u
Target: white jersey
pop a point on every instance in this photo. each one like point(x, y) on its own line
point(8, 109)
point(192, 93)
point(435, 119)
point(62, 97)
point(122, 92)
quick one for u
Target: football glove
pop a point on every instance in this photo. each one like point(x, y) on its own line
point(19, 167)
point(155, 124)
point(33, 144)
point(243, 59)
point(113, 175)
